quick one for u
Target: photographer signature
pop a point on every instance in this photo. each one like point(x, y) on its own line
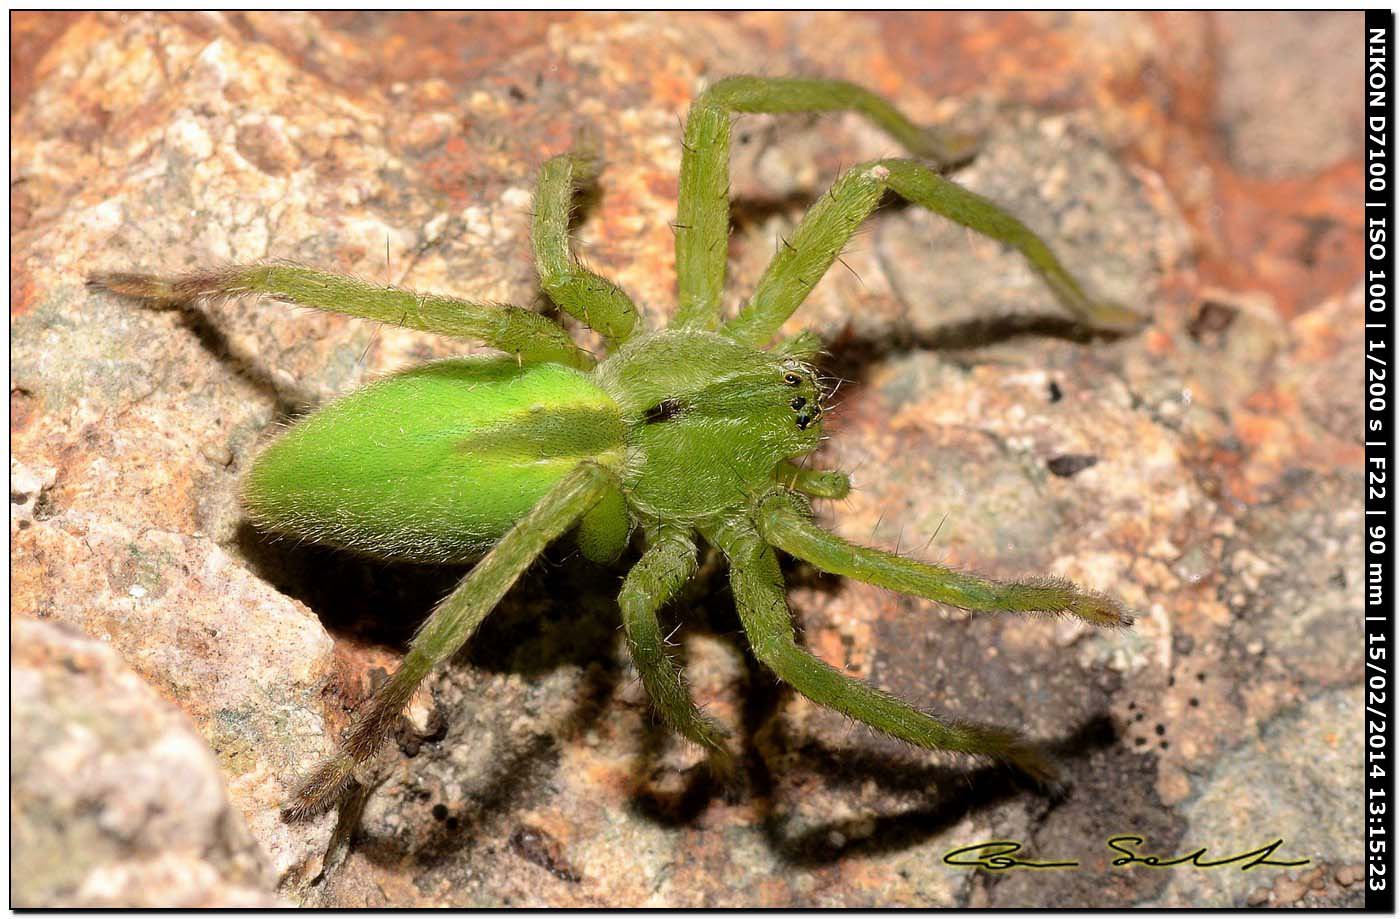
point(999, 855)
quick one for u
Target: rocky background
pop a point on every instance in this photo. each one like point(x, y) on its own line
point(1203, 167)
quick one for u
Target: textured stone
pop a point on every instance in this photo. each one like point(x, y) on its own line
point(1260, 51)
point(1296, 780)
point(1222, 503)
point(115, 800)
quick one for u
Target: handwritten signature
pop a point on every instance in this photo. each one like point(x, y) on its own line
point(999, 855)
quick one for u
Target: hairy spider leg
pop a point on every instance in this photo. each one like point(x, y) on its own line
point(449, 627)
point(805, 346)
point(660, 573)
point(783, 525)
point(702, 214)
point(829, 224)
point(762, 606)
point(583, 294)
point(529, 336)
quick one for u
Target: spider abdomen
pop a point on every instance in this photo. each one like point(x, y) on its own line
point(436, 463)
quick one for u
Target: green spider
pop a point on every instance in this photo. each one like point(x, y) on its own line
point(684, 433)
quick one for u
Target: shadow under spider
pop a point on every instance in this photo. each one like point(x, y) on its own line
point(516, 779)
point(849, 354)
point(955, 793)
point(532, 632)
point(288, 401)
point(945, 793)
point(751, 211)
point(535, 632)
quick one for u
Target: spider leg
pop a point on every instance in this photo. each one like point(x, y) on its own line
point(805, 346)
point(662, 570)
point(762, 606)
point(448, 628)
point(529, 336)
point(831, 222)
point(814, 483)
point(702, 214)
point(583, 294)
point(782, 525)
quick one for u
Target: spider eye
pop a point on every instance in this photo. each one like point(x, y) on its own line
point(791, 379)
point(664, 410)
point(798, 403)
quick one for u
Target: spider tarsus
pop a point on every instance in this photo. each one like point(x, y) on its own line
point(1099, 610)
point(163, 292)
point(321, 790)
point(1116, 319)
point(1059, 597)
point(1035, 762)
point(950, 149)
point(139, 286)
point(1012, 748)
point(588, 147)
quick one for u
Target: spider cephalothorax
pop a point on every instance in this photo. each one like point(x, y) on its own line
point(723, 423)
point(698, 431)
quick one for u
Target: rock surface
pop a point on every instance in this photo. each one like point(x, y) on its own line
point(115, 800)
point(1207, 470)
